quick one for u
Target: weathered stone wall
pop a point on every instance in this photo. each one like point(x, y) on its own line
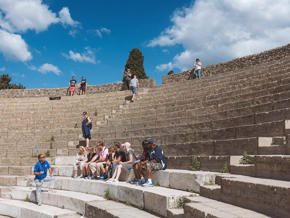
point(236, 64)
point(18, 93)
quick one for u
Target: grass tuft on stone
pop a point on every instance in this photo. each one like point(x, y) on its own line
point(195, 163)
point(246, 159)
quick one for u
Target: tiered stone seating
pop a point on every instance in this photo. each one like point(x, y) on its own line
point(33, 125)
point(232, 126)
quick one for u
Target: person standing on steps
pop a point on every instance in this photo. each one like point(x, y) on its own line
point(40, 171)
point(134, 83)
point(83, 86)
point(72, 86)
point(197, 68)
point(86, 128)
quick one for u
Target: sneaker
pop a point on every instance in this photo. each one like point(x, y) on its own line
point(39, 203)
point(148, 184)
point(134, 181)
point(116, 180)
point(141, 181)
point(101, 178)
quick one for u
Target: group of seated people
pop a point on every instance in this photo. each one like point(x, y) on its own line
point(107, 164)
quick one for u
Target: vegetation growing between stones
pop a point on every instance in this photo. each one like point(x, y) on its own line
point(246, 159)
point(47, 153)
point(180, 202)
point(225, 168)
point(195, 163)
point(27, 199)
point(107, 194)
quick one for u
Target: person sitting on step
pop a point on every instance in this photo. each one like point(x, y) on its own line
point(138, 168)
point(86, 169)
point(156, 161)
point(81, 159)
point(40, 171)
point(125, 165)
point(97, 163)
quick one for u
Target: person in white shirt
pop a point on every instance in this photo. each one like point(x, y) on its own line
point(134, 83)
point(197, 68)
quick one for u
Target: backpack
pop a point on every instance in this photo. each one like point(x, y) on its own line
point(90, 125)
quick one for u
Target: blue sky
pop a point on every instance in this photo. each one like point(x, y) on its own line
point(125, 24)
point(44, 42)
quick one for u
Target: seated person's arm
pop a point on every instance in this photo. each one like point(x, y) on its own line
point(130, 159)
point(93, 159)
point(38, 173)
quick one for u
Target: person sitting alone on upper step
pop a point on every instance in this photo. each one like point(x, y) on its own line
point(40, 171)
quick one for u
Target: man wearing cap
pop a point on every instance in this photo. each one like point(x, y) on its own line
point(40, 172)
point(156, 161)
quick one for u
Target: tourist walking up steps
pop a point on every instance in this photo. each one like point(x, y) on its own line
point(134, 83)
point(86, 128)
point(40, 171)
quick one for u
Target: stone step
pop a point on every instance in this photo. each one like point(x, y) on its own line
point(84, 204)
point(21, 209)
point(155, 199)
point(267, 196)
point(265, 166)
point(74, 201)
point(170, 178)
point(112, 209)
point(201, 207)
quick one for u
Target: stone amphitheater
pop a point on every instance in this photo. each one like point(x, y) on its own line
point(226, 137)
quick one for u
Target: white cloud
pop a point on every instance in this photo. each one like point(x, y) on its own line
point(20, 16)
point(88, 56)
point(13, 47)
point(100, 32)
point(221, 30)
point(164, 67)
point(65, 17)
point(49, 68)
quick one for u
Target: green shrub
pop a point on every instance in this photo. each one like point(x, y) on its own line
point(195, 163)
point(246, 159)
point(225, 169)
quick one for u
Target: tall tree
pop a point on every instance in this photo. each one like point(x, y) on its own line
point(135, 63)
point(5, 83)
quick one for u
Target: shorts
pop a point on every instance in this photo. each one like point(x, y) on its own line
point(80, 165)
point(83, 88)
point(72, 89)
point(154, 166)
point(127, 167)
point(134, 90)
